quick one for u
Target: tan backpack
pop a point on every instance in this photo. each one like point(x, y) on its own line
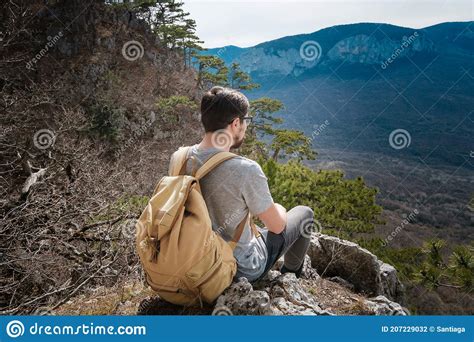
point(184, 260)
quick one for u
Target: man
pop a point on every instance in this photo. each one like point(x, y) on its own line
point(239, 185)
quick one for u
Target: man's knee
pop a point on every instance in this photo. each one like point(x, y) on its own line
point(306, 211)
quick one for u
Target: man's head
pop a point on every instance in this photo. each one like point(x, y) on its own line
point(222, 112)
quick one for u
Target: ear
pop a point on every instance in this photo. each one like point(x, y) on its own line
point(235, 123)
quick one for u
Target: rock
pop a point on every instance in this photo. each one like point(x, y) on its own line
point(241, 299)
point(284, 294)
point(391, 285)
point(308, 271)
point(276, 294)
point(380, 305)
point(342, 282)
point(332, 257)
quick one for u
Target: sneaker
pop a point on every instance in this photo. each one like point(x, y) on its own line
point(284, 270)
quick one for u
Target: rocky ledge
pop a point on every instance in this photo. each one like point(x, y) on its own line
point(339, 278)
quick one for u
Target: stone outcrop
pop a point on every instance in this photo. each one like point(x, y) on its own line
point(284, 294)
point(334, 257)
point(358, 48)
point(380, 305)
point(367, 49)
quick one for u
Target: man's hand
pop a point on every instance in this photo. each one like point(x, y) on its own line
point(274, 218)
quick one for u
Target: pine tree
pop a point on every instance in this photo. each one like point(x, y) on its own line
point(239, 79)
point(211, 71)
point(461, 267)
point(261, 110)
point(432, 248)
point(293, 144)
point(339, 204)
point(175, 29)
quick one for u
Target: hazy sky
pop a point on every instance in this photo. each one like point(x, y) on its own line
point(246, 23)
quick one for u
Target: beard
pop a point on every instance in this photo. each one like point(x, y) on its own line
point(237, 142)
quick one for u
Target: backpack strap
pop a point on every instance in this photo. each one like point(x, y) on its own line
point(212, 162)
point(208, 166)
point(179, 167)
point(178, 162)
point(180, 156)
point(240, 229)
point(254, 228)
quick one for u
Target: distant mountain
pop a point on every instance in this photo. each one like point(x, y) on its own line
point(351, 86)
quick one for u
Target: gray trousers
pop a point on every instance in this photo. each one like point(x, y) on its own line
point(292, 242)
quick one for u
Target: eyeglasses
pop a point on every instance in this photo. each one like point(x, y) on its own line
point(247, 118)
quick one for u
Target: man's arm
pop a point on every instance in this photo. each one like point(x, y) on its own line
point(274, 218)
point(259, 200)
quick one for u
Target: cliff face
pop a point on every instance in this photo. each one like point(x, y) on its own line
point(284, 62)
point(366, 49)
point(359, 48)
point(363, 44)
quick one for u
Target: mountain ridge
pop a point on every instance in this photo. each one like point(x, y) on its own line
point(383, 60)
point(439, 25)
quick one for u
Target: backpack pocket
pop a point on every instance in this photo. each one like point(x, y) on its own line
point(170, 288)
point(204, 268)
point(210, 276)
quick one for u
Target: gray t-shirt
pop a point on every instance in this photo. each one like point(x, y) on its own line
point(230, 190)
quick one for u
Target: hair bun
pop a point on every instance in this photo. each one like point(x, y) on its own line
point(216, 90)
